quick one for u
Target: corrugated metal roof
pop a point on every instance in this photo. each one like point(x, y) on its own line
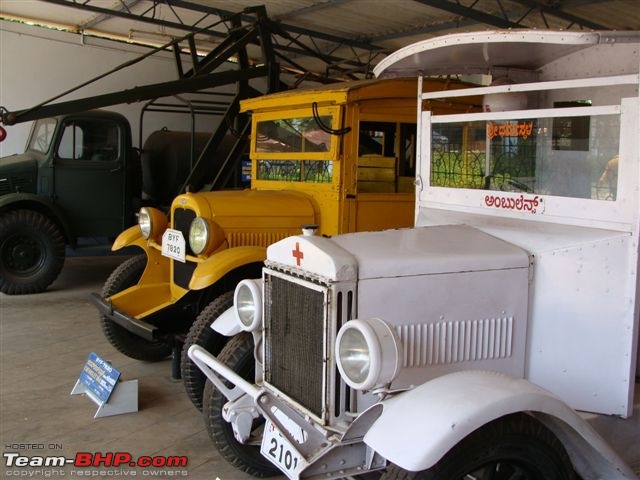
point(354, 35)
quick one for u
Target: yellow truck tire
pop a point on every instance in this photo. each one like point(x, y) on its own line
point(123, 277)
point(202, 334)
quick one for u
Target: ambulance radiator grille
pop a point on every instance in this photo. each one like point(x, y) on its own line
point(294, 341)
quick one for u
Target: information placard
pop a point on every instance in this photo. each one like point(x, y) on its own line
point(99, 377)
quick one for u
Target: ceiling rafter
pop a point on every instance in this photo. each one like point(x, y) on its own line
point(469, 12)
point(121, 5)
point(331, 42)
point(556, 11)
point(422, 30)
point(310, 9)
point(288, 27)
point(283, 30)
point(472, 13)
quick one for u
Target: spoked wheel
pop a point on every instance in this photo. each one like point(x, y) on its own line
point(514, 447)
point(31, 252)
point(238, 355)
point(202, 334)
point(124, 276)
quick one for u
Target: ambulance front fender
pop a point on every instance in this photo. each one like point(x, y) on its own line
point(218, 265)
point(437, 415)
point(130, 236)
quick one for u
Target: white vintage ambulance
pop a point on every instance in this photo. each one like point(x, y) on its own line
point(470, 346)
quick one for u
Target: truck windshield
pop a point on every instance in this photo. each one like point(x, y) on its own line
point(295, 149)
point(565, 156)
point(42, 134)
point(293, 135)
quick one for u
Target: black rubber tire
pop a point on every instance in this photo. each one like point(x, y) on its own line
point(202, 334)
point(31, 252)
point(124, 276)
point(514, 446)
point(238, 355)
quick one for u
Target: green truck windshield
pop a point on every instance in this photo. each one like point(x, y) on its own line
point(42, 134)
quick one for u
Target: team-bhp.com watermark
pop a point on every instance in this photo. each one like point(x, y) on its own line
point(97, 465)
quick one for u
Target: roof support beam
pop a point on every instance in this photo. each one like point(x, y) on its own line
point(310, 9)
point(471, 13)
point(475, 15)
point(438, 27)
point(248, 15)
point(290, 28)
point(120, 6)
point(130, 16)
point(557, 12)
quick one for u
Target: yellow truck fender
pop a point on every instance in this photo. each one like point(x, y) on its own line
point(131, 236)
point(155, 273)
point(435, 416)
point(218, 265)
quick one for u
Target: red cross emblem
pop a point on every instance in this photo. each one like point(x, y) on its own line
point(297, 254)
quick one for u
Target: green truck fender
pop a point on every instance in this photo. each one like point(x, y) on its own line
point(31, 201)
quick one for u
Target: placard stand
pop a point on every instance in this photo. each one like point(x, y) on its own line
point(101, 383)
point(124, 398)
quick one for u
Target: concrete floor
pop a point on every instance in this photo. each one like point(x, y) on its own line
point(44, 342)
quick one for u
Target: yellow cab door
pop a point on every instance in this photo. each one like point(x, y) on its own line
point(384, 173)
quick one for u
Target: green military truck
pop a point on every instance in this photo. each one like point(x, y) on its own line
point(77, 177)
point(80, 177)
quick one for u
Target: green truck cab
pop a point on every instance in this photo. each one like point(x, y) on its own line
point(78, 177)
point(340, 157)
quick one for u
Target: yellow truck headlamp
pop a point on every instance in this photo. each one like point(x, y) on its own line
point(247, 302)
point(368, 354)
point(205, 236)
point(152, 222)
point(199, 235)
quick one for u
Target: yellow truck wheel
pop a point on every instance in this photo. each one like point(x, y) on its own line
point(202, 334)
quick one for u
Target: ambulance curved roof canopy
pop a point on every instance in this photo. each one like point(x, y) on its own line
point(493, 52)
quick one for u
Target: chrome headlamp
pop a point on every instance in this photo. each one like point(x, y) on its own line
point(152, 222)
point(144, 222)
point(199, 235)
point(205, 236)
point(247, 302)
point(368, 353)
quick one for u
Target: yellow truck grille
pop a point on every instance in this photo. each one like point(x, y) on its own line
point(182, 272)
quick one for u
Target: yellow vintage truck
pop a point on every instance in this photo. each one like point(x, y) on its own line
point(340, 157)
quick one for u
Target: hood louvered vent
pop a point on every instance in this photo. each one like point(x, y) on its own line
point(20, 184)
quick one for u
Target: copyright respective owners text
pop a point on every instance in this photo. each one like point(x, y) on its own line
point(50, 460)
